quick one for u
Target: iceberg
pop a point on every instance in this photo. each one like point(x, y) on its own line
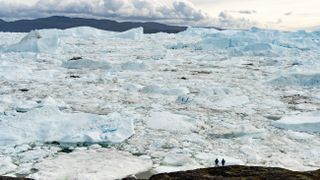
point(305, 122)
point(191, 31)
point(298, 80)
point(133, 34)
point(98, 164)
point(85, 64)
point(15, 72)
point(49, 40)
point(49, 124)
point(36, 42)
point(6, 165)
point(199, 91)
point(154, 89)
point(254, 42)
point(84, 32)
point(169, 122)
point(258, 47)
point(133, 66)
point(177, 162)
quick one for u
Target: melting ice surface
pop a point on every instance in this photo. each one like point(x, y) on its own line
point(308, 122)
point(49, 124)
point(178, 100)
point(104, 164)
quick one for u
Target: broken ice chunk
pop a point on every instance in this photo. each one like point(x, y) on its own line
point(85, 64)
point(169, 121)
point(306, 122)
point(49, 124)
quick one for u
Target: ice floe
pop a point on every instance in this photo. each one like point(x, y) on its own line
point(36, 42)
point(298, 80)
point(133, 34)
point(49, 124)
point(15, 73)
point(96, 164)
point(169, 122)
point(85, 64)
point(305, 122)
point(50, 41)
point(133, 66)
point(154, 89)
point(182, 99)
point(6, 165)
point(174, 161)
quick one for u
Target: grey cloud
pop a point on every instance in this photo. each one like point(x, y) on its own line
point(140, 4)
point(242, 12)
point(225, 20)
point(247, 12)
point(185, 10)
point(113, 5)
point(288, 13)
point(122, 9)
point(176, 11)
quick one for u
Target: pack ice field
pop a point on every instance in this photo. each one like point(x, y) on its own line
point(85, 103)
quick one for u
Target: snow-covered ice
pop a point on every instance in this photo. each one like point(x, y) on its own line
point(49, 124)
point(96, 164)
point(305, 79)
point(168, 122)
point(35, 41)
point(176, 162)
point(6, 165)
point(85, 64)
point(14, 73)
point(182, 100)
point(308, 122)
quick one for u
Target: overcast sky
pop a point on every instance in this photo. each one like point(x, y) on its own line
point(288, 14)
point(277, 14)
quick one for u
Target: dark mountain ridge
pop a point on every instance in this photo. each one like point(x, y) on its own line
point(61, 22)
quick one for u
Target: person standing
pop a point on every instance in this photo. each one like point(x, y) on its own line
point(223, 162)
point(217, 162)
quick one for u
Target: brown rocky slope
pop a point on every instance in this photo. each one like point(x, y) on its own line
point(239, 172)
point(230, 173)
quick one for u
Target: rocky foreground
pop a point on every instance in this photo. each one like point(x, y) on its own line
point(228, 173)
point(12, 178)
point(238, 172)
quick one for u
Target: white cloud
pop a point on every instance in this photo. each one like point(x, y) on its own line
point(180, 12)
point(225, 20)
point(247, 12)
point(113, 5)
point(303, 13)
point(240, 13)
point(122, 9)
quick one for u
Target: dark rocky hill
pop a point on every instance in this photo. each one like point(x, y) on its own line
point(239, 173)
point(61, 22)
point(229, 173)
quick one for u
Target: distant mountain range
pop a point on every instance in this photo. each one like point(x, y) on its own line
point(61, 22)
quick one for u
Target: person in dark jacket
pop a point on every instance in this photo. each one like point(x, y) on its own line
point(223, 162)
point(217, 162)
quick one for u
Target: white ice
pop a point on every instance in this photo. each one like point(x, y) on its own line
point(169, 122)
point(99, 164)
point(248, 96)
point(6, 165)
point(49, 124)
point(307, 122)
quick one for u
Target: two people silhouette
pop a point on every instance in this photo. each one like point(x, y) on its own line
point(223, 162)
